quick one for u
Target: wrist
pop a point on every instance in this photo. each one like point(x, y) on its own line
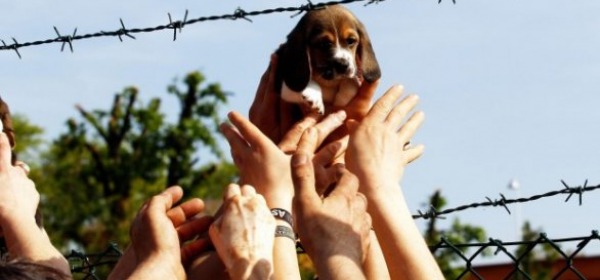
point(157, 268)
point(377, 189)
point(281, 200)
point(339, 267)
point(15, 217)
point(251, 268)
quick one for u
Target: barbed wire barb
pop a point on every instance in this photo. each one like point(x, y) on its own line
point(432, 213)
point(499, 202)
point(65, 39)
point(123, 31)
point(309, 6)
point(14, 46)
point(374, 2)
point(240, 13)
point(577, 190)
point(177, 25)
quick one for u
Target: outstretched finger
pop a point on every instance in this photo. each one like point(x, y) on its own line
point(195, 226)
point(359, 106)
point(289, 143)
point(384, 104)
point(264, 97)
point(326, 155)
point(234, 138)
point(178, 215)
point(414, 153)
point(248, 130)
point(329, 124)
point(303, 177)
point(408, 130)
point(232, 190)
point(399, 112)
point(248, 191)
point(171, 196)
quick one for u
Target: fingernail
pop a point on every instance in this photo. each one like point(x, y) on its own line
point(299, 159)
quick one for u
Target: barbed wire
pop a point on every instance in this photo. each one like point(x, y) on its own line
point(175, 25)
point(504, 202)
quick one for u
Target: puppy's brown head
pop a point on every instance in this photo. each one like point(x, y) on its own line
point(327, 45)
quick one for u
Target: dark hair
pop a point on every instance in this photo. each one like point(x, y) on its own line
point(24, 270)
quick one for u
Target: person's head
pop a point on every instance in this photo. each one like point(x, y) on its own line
point(23, 270)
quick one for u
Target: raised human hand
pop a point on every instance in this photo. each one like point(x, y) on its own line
point(244, 234)
point(379, 146)
point(334, 229)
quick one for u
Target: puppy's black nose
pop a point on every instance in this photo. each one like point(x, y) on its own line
point(341, 66)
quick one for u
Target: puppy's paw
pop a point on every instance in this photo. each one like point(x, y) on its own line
point(313, 97)
point(315, 102)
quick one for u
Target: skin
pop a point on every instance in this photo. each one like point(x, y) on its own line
point(243, 234)
point(283, 123)
point(378, 153)
point(334, 229)
point(163, 238)
point(19, 200)
point(275, 117)
point(266, 166)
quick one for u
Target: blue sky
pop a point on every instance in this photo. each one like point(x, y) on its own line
point(509, 88)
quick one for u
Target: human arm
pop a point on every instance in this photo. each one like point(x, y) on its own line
point(18, 203)
point(244, 234)
point(375, 265)
point(266, 166)
point(377, 153)
point(334, 230)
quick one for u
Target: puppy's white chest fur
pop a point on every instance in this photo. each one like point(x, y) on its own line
point(316, 96)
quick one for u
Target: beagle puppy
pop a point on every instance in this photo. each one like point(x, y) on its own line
point(325, 59)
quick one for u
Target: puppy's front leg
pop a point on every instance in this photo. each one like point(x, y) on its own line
point(311, 96)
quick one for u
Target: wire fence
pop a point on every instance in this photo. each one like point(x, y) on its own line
point(524, 259)
point(522, 256)
point(526, 263)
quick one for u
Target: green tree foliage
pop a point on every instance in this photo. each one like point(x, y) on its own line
point(96, 175)
point(458, 233)
point(29, 140)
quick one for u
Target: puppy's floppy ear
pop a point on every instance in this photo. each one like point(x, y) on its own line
point(366, 56)
point(293, 66)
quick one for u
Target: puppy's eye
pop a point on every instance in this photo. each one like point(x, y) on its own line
point(351, 41)
point(325, 44)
